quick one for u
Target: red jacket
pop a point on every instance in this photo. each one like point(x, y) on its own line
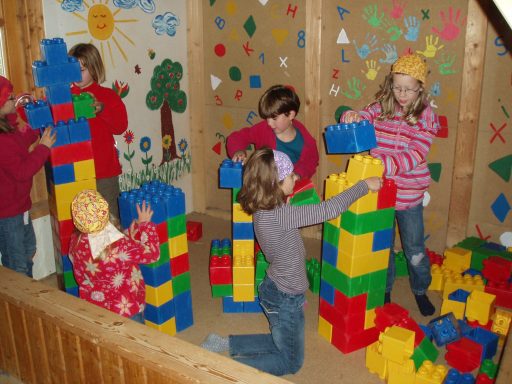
point(112, 120)
point(262, 135)
point(17, 168)
point(115, 281)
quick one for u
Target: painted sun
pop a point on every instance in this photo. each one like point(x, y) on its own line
point(101, 27)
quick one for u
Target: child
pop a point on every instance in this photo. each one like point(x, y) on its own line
point(111, 119)
point(18, 166)
point(405, 126)
point(106, 261)
point(268, 179)
point(279, 130)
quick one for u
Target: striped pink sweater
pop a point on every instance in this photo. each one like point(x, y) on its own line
point(403, 149)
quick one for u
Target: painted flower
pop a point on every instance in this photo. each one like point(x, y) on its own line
point(128, 136)
point(166, 141)
point(121, 88)
point(182, 146)
point(145, 144)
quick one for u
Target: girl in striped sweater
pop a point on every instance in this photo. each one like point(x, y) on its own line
point(405, 126)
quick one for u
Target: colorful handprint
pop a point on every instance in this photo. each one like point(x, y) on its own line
point(412, 26)
point(445, 64)
point(451, 28)
point(398, 9)
point(368, 47)
point(391, 54)
point(354, 89)
point(431, 46)
point(372, 69)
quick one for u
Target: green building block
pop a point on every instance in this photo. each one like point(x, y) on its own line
point(377, 280)
point(313, 272)
point(82, 105)
point(164, 256)
point(489, 368)
point(235, 195)
point(348, 286)
point(425, 351)
point(375, 298)
point(261, 266)
point(181, 283)
point(471, 243)
point(309, 196)
point(69, 279)
point(177, 225)
point(331, 234)
point(401, 264)
point(358, 224)
point(222, 290)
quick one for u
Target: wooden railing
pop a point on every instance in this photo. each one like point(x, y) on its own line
point(48, 336)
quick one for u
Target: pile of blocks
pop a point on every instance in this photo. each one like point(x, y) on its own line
point(168, 290)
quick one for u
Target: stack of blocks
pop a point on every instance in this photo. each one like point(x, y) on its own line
point(168, 292)
point(355, 256)
point(70, 168)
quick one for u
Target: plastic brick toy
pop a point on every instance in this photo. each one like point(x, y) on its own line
point(350, 138)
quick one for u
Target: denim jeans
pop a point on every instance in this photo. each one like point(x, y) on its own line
point(17, 244)
point(281, 351)
point(410, 225)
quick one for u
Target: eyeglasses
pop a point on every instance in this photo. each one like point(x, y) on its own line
point(407, 91)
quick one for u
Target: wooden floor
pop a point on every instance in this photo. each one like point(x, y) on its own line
point(323, 362)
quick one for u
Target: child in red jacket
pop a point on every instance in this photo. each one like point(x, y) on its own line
point(278, 130)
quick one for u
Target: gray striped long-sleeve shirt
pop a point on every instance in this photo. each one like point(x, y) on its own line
point(278, 234)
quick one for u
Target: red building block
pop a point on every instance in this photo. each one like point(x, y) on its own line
point(161, 230)
point(62, 112)
point(503, 293)
point(71, 153)
point(497, 269)
point(387, 195)
point(475, 324)
point(302, 185)
point(464, 354)
point(194, 230)
point(482, 378)
point(349, 342)
point(388, 315)
point(220, 270)
point(435, 258)
point(180, 264)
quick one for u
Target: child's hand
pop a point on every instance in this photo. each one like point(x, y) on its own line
point(48, 137)
point(351, 117)
point(374, 183)
point(144, 212)
point(239, 156)
point(97, 105)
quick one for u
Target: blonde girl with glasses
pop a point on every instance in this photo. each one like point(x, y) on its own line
point(405, 126)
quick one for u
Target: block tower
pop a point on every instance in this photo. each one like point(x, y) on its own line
point(168, 291)
point(355, 255)
point(70, 168)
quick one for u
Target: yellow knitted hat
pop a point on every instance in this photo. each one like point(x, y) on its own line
point(90, 211)
point(412, 65)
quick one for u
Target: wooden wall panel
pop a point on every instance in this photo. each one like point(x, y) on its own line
point(39, 353)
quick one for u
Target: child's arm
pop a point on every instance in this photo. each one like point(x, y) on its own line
point(238, 141)
point(112, 111)
point(143, 233)
point(368, 113)
point(309, 158)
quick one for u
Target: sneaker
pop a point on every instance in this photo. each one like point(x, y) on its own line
point(216, 343)
point(424, 304)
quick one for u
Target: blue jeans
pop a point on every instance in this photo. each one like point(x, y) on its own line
point(281, 351)
point(17, 244)
point(410, 225)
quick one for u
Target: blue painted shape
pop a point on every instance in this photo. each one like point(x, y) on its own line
point(329, 253)
point(161, 314)
point(243, 231)
point(382, 239)
point(230, 174)
point(79, 130)
point(53, 51)
point(156, 276)
point(460, 295)
point(230, 306)
point(501, 207)
point(326, 291)
point(183, 310)
point(58, 94)
point(255, 81)
point(38, 114)
point(350, 138)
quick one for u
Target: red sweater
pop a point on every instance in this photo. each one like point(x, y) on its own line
point(17, 168)
point(112, 120)
point(115, 281)
point(262, 135)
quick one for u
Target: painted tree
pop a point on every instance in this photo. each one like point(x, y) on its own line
point(166, 94)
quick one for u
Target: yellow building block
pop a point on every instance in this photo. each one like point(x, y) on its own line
point(438, 278)
point(67, 192)
point(178, 245)
point(336, 221)
point(375, 362)
point(243, 269)
point(243, 248)
point(480, 306)
point(361, 167)
point(169, 327)
point(84, 170)
point(239, 215)
point(367, 203)
point(456, 307)
point(466, 282)
point(335, 184)
point(157, 296)
point(501, 323)
point(324, 329)
point(429, 373)
point(457, 259)
point(243, 292)
point(355, 244)
point(362, 264)
point(397, 344)
point(404, 373)
point(369, 318)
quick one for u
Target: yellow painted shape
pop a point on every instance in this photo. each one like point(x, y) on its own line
point(178, 245)
point(280, 35)
point(430, 373)
point(160, 295)
point(480, 306)
point(324, 329)
point(84, 170)
point(397, 344)
point(457, 259)
point(375, 362)
point(227, 120)
point(456, 307)
point(243, 292)
point(169, 327)
point(239, 216)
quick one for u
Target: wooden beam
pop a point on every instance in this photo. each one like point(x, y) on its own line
point(467, 131)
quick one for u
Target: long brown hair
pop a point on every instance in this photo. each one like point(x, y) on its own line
point(90, 58)
point(387, 100)
point(261, 187)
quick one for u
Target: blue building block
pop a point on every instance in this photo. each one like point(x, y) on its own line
point(487, 339)
point(382, 239)
point(66, 264)
point(127, 210)
point(427, 331)
point(329, 253)
point(460, 295)
point(156, 276)
point(38, 114)
point(445, 329)
point(350, 138)
point(494, 246)
point(183, 310)
point(58, 94)
point(73, 291)
point(175, 201)
point(54, 51)
point(230, 174)
point(229, 306)
point(79, 130)
point(455, 377)
point(243, 231)
point(161, 314)
point(62, 134)
point(61, 174)
point(326, 292)
point(65, 73)
point(159, 211)
point(252, 306)
point(465, 328)
point(472, 272)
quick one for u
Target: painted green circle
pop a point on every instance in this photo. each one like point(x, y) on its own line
point(339, 112)
point(235, 74)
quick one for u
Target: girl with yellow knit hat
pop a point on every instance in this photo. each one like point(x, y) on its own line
point(405, 126)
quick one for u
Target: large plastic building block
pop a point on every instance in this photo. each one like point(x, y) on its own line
point(426, 350)
point(350, 138)
point(375, 362)
point(487, 339)
point(502, 291)
point(181, 283)
point(178, 245)
point(466, 282)
point(435, 258)
point(501, 322)
point(261, 270)
point(480, 307)
point(313, 273)
point(230, 174)
point(156, 276)
point(82, 105)
point(222, 290)
point(231, 306)
point(243, 269)
point(497, 269)
point(387, 195)
point(397, 344)
point(306, 197)
point(349, 286)
point(452, 306)
point(194, 230)
point(335, 184)
point(62, 134)
point(179, 265)
point(456, 377)
point(464, 355)
point(355, 264)
point(460, 295)
point(243, 248)
point(331, 234)
point(324, 328)
point(183, 310)
point(84, 170)
point(177, 225)
point(79, 130)
point(63, 73)
point(349, 342)
point(445, 329)
point(429, 373)
point(457, 259)
point(175, 201)
point(243, 292)
point(362, 167)
point(160, 295)
point(382, 239)
point(38, 114)
point(62, 112)
point(60, 174)
point(53, 51)
point(482, 378)
point(58, 94)
point(399, 373)
point(243, 231)
point(239, 215)
point(160, 314)
point(367, 222)
point(488, 368)
point(168, 327)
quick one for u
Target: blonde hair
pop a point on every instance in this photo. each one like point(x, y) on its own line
point(90, 58)
point(261, 189)
point(387, 101)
